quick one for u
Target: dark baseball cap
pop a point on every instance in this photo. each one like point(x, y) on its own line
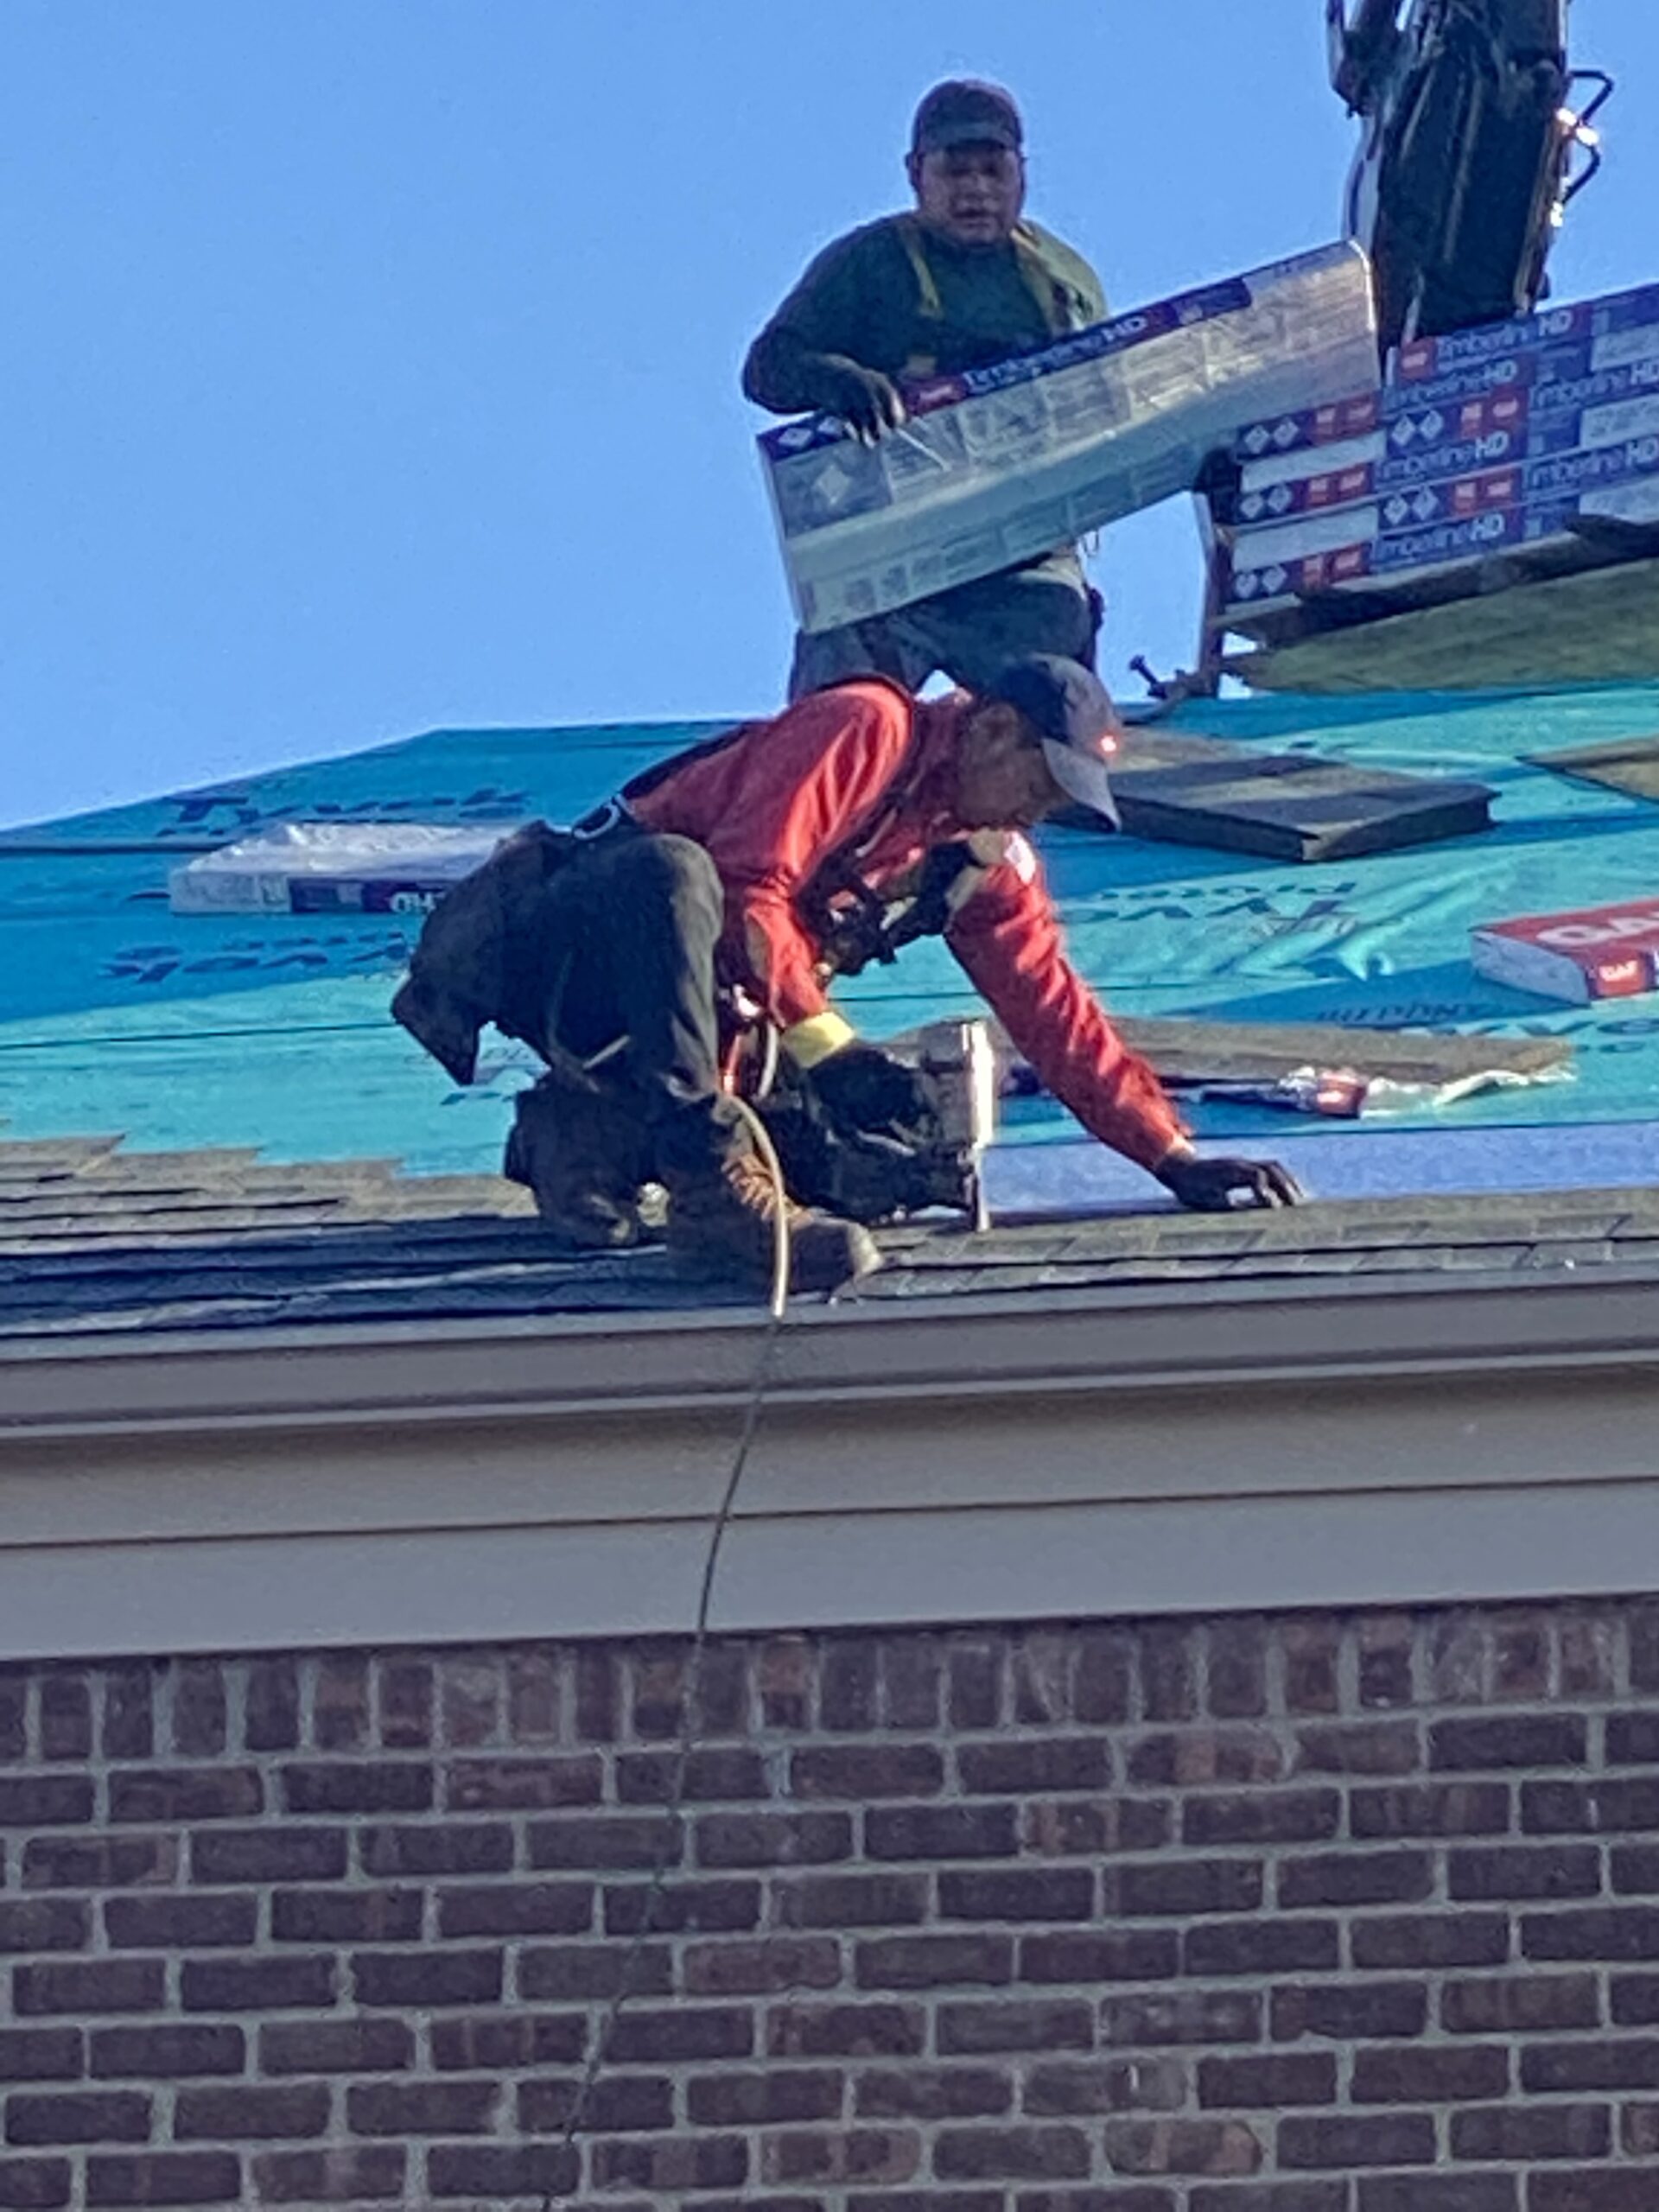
point(1072, 711)
point(964, 111)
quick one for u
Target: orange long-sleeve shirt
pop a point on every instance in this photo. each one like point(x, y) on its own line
point(864, 765)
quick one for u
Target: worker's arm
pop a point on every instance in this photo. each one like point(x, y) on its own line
point(815, 352)
point(822, 770)
point(1008, 938)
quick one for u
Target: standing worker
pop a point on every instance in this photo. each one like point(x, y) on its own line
point(707, 899)
point(960, 282)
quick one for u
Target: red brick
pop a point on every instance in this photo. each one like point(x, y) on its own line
point(1386, 1645)
point(365, 2173)
point(273, 1854)
point(460, 2106)
point(813, 1838)
point(1016, 1766)
point(718, 1774)
point(692, 2032)
point(847, 2031)
point(1588, 2188)
point(1635, 2001)
point(535, 1699)
point(912, 1670)
point(503, 2042)
point(128, 1731)
point(1430, 1808)
point(599, 1697)
point(1090, 1828)
point(1633, 1738)
point(45, 1800)
point(576, 1974)
point(289, 2112)
point(75, 1986)
point(1141, 2196)
point(1337, 2140)
point(35, 2184)
point(40, 2055)
point(534, 1784)
point(838, 1901)
point(1168, 1672)
point(169, 2053)
point(986, 2029)
point(1520, 2003)
point(1184, 1887)
point(198, 1709)
point(346, 1915)
point(1635, 1869)
point(1074, 2088)
point(1612, 1932)
point(1602, 1807)
point(869, 2155)
point(66, 1717)
point(932, 2093)
point(656, 1700)
point(933, 1961)
point(1042, 1677)
point(1558, 1870)
point(44, 1925)
point(672, 2162)
point(1463, 2074)
point(516, 1908)
point(1011, 2154)
point(491, 2172)
point(1557, 2069)
point(1311, 1649)
point(13, 1713)
point(1182, 2146)
point(258, 1985)
point(1103, 1685)
point(422, 1979)
point(1639, 2131)
point(861, 1772)
point(88, 2116)
point(1182, 2016)
point(787, 1683)
point(273, 1706)
point(180, 1924)
point(1274, 2196)
point(99, 1862)
point(766, 1967)
point(1261, 1946)
point(202, 1793)
point(1017, 1893)
point(1350, 1878)
point(942, 1831)
point(164, 2177)
point(1508, 1739)
point(1235, 1674)
point(359, 1786)
point(1348, 2011)
point(730, 2099)
point(1442, 2193)
point(469, 1701)
point(1101, 1954)
point(1522, 2134)
point(683, 1908)
point(976, 1674)
point(1586, 1650)
point(338, 2046)
point(1186, 1759)
point(1271, 2081)
point(615, 2104)
point(339, 1720)
point(1266, 1816)
point(470, 1847)
point(404, 1703)
point(1425, 1939)
point(605, 1842)
point(848, 1676)
point(1367, 1747)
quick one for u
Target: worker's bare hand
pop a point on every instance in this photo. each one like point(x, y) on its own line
point(1217, 1186)
point(868, 402)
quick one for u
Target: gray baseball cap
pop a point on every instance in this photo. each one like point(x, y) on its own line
point(964, 111)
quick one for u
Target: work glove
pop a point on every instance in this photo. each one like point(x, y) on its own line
point(868, 402)
point(862, 1088)
point(1211, 1185)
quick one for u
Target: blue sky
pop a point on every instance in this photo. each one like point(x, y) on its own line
point(370, 365)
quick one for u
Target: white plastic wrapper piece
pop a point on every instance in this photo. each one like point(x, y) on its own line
point(1000, 465)
point(332, 867)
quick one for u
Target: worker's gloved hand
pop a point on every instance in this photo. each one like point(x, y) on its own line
point(1213, 1185)
point(862, 1088)
point(867, 402)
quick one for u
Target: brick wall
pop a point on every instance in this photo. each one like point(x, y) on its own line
point(1292, 1915)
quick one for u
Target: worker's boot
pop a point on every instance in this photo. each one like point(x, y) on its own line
point(578, 1148)
point(723, 1215)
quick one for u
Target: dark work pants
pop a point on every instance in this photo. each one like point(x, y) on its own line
point(629, 929)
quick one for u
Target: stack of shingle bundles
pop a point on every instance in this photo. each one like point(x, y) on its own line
point(1517, 435)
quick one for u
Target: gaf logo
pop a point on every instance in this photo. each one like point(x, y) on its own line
point(1608, 931)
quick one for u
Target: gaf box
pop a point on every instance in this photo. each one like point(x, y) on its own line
point(999, 465)
point(1601, 952)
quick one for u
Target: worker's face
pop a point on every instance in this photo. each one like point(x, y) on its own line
point(972, 195)
point(1003, 777)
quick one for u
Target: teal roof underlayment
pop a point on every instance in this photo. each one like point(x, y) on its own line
point(118, 1016)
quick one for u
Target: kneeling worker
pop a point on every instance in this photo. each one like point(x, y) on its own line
point(707, 899)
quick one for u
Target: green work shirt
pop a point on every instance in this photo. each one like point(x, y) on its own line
point(899, 298)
